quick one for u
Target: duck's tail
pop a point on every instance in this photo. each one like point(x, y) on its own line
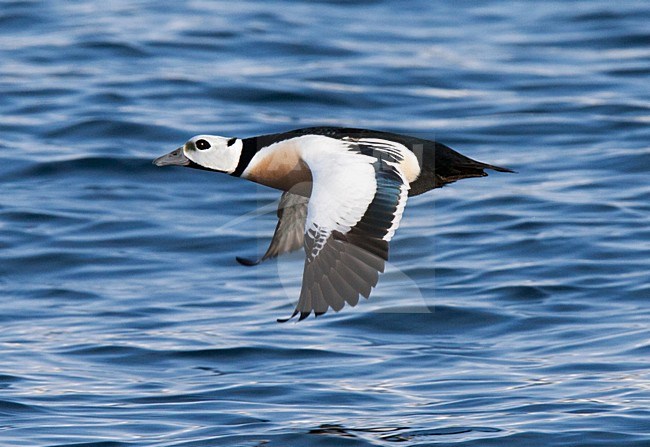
point(442, 165)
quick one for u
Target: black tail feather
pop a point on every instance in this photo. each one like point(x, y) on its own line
point(442, 165)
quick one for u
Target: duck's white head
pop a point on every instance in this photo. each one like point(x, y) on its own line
point(206, 152)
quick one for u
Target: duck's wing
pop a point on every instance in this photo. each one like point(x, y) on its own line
point(289, 232)
point(356, 205)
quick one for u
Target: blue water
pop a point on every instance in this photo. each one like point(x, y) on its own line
point(515, 308)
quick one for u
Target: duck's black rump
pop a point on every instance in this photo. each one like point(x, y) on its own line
point(442, 165)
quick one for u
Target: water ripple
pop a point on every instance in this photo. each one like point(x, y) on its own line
point(513, 310)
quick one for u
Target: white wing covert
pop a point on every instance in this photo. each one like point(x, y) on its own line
point(356, 205)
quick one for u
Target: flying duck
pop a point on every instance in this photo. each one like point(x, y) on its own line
point(344, 191)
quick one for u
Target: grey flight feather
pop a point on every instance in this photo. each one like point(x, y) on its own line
point(289, 231)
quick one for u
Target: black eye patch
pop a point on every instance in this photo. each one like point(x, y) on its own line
point(231, 142)
point(202, 144)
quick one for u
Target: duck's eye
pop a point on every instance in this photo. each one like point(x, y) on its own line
point(231, 141)
point(202, 144)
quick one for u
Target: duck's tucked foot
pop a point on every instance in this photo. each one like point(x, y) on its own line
point(249, 262)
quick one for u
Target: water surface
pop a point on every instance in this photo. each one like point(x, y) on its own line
point(514, 310)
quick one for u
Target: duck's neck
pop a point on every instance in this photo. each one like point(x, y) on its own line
point(250, 147)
